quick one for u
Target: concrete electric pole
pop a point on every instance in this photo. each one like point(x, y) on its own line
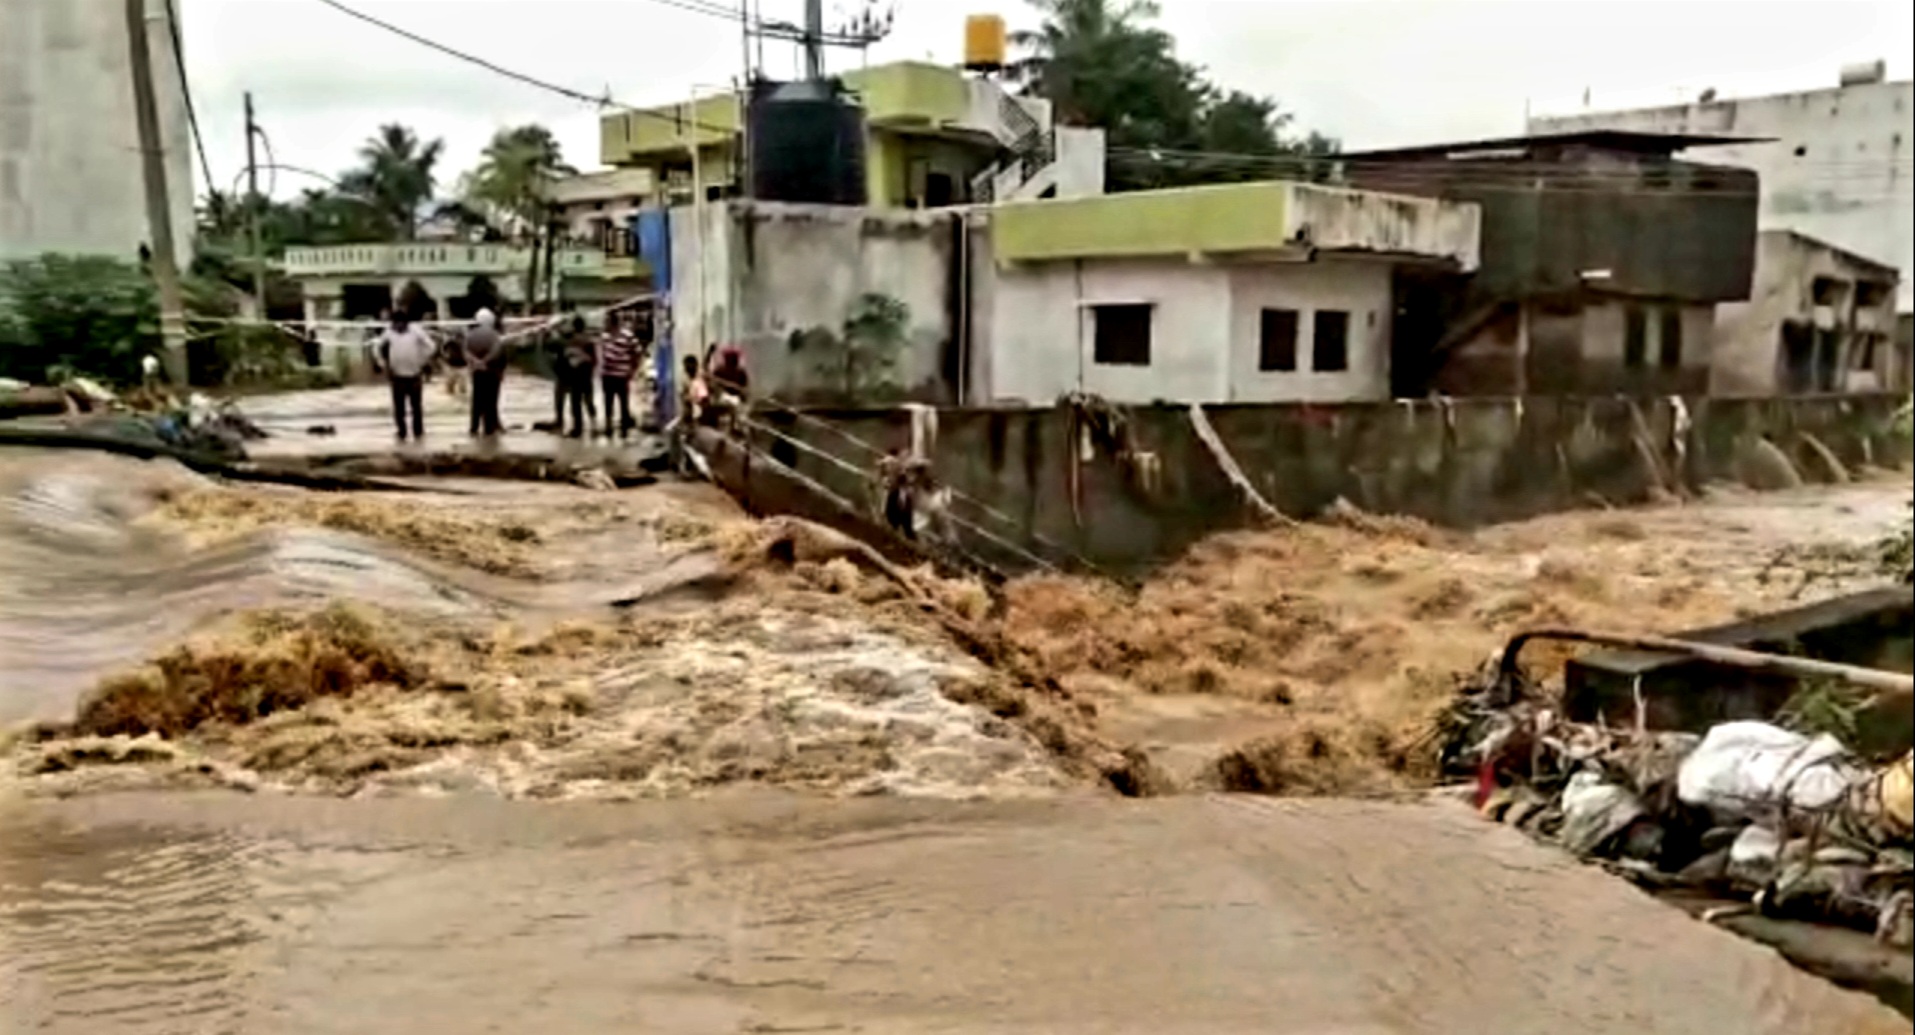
point(253, 206)
point(158, 213)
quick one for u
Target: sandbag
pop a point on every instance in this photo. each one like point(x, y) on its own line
point(1749, 770)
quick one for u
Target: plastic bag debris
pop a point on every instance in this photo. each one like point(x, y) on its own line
point(1748, 770)
point(1595, 811)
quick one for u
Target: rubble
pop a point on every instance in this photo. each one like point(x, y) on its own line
point(1794, 825)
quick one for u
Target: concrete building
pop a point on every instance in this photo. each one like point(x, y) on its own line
point(1603, 259)
point(1256, 292)
point(934, 137)
point(1835, 163)
point(1238, 293)
point(70, 177)
point(1820, 319)
point(597, 208)
point(359, 281)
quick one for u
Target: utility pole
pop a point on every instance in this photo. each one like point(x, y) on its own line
point(253, 205)
point(814, 40)
point(159, 215)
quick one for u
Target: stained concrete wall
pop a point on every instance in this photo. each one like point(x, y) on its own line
point(1462, 463)
point(780, 281)
point(1749, 352)
point(1836, 169)
point(70, 178)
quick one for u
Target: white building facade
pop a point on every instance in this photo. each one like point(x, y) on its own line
point(1257, 292)
point(70, 171)
point(1837, 166)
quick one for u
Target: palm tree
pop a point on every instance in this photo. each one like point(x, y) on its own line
point(514, 177)
point(397, 175)
point(513, 185)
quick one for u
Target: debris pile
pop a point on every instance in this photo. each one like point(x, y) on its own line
point(1786, 824)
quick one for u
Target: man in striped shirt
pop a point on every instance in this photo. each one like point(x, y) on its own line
point(617, 362)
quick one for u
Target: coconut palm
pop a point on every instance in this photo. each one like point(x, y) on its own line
point(396, 175)
point(512, 186)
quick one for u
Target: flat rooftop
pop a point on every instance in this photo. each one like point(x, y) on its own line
point(1602, 139)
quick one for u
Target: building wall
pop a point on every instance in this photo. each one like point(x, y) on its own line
point(1750, 355)
point(1206, 323)
point(780, 281)
point(70, 177)
point(1357, 287)
point(1659, 228)
point(1837, 170)
point(1457, 462)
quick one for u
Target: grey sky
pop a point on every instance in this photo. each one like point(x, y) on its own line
point(1373, 72)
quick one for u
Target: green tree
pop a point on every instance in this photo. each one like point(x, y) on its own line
point(397, 175)
point(512, 188)
point(1101, 63)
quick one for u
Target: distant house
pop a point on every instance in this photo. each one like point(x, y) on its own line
point(596, 208)
point(1835, 162)
point(1820, 319)
point(934, 137)
point(355, 282)
point(1603, 259)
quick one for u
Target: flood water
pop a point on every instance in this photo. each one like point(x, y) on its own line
point(758, 912)
point(218, 913)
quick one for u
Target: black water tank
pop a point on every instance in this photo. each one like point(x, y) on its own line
point(805, 143)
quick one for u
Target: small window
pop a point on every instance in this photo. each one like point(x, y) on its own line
point(1121, 335)
point(1635, 337)
point(1330, 341)
point(1277, 340)
point(1870, 293)
point(1671, 338)
point(1825, 290)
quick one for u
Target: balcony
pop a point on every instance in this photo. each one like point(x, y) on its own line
point(392, 261)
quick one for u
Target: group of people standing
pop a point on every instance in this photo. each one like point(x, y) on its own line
point(588, 366)
point(407, 353)
point(607, 361)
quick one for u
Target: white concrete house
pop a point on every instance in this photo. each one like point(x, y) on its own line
point(1254, 292)
point(1836, 166)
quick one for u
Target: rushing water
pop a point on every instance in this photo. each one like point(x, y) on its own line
point(224, 912)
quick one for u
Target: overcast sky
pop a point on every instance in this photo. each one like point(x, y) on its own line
point(1372, 72)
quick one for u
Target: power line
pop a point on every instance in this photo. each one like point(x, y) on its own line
point(606, 100)
point(192, 116)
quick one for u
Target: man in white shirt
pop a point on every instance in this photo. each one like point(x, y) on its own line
point(405, 353)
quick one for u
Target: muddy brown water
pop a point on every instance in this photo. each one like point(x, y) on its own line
point(752, 913)
point(758, 912)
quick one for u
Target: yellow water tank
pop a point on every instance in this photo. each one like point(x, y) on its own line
point(984, 42)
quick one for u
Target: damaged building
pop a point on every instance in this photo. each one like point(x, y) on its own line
point(1819, 319)
point(1603, 260)
point(1254, 292)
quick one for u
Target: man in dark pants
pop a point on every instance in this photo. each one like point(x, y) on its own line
point(485, 356)
point(617, 361)
point(580, 354)
point(404, 352)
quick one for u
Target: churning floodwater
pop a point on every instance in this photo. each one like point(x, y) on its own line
point(752, 910)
